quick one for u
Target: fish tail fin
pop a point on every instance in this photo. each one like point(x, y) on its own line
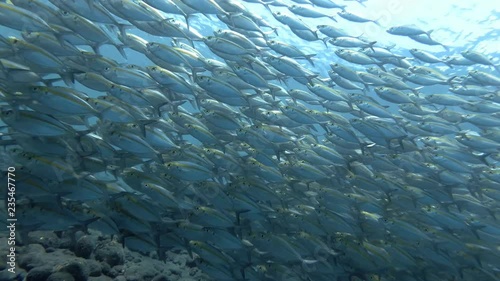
point(381, 65)
point(325, 40)
point(49, 81)
point(159, 106)
point(266, 5)
point(496, 67)
point(309, 58)
point(428, 33)
point(60, 37)
point(371, 45)
point(365, 90)
point(95, 48)
point(121, 50)
point(275, 30)
point(266, 33)
point(400, 139)
point(416, 90)
point(85, 224)
point(475, 228)
point(122, 27)
point(448, 81)
point(447, 63)
point(68, 78)
point(160, 158)
point(359, 36)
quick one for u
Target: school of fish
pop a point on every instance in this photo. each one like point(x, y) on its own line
point(236, 146)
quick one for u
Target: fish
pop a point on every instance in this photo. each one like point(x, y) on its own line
point(136, 11)
point(424, 56)
point(34, 56)
point(485, 78)
point(88, 30)
point(408, 30)
point(478, 58)
point(18, 73)
point(289, 51)
point(262, 137)
point(327, 4)
point(225, 46)
point(331, 31)
point(355, 18)
point(350, 42)
point(289, 67)
point(50, 42)
point(306, 11)
point(427, 40)
point(290, 21)
point(34, 124)
point(356, 57)
point(21, 19)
